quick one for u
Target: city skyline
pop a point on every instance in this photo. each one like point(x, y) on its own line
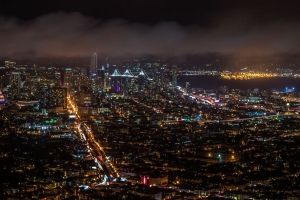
point(149, 100)
point(149, 131)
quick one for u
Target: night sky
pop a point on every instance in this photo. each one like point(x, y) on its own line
point(148, 27)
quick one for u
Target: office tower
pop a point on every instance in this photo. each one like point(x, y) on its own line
point(68, 77)
point(174, 75)
point(52, 96)
point(43, 94)
point(107, 79)
point(25, 89)
point(15, 85)
point(58, 97)
point(93, 67)
point(93, 84)
point(99, 80)
point(107, 82)
point(101, 74)
point(160, 76)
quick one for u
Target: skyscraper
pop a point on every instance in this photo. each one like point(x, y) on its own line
point(107, 80)
point(58, 97)
point(15, 85)
point(93, 67)
point(68, 78)
point(43, 94)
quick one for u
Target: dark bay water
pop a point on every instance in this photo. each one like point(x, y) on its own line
point(213, 82)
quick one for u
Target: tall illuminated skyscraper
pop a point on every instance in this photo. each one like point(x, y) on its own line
point(15, 85)
point(93, 67)
point(68, 79)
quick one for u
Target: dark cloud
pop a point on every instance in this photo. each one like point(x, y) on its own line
point(74, 35)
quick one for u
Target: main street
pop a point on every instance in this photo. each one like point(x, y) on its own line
point(100, 158)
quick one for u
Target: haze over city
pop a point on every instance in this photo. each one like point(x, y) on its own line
point(247, 28)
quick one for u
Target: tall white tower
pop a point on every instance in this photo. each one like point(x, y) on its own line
point(93, 67)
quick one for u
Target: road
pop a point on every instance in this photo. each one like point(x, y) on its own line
point(96, 150)
point(99, 154)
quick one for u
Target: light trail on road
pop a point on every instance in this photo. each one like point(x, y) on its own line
point(87, 136)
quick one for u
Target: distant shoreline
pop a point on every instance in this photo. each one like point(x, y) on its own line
point(210, 82)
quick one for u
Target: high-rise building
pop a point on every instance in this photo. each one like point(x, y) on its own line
point(58, 97)
point(93, 67)
point(68, 77)
point(43, 95)
point(107, 80)
point(160, 76)
point(101, 74)
point(15, 85)
point(25, 85)
point(93, 84)
point(52, 96)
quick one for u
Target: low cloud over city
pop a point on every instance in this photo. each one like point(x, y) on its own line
point(75, 35)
